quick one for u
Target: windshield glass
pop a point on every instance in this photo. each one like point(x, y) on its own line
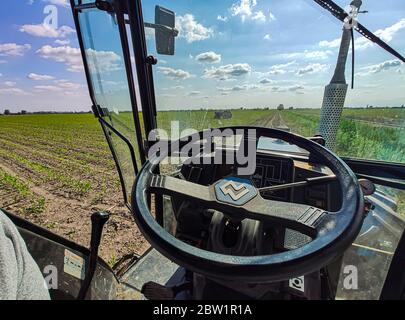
point(105, 59)
point(266, 63)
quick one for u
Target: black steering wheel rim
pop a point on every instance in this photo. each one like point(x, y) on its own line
point(276, 267)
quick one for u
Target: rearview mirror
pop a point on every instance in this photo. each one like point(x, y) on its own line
point(165, 31)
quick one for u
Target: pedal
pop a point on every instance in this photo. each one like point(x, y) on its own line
point(154, 291)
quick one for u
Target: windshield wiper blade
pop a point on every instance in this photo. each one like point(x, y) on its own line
point(340, 14)
point(372, 37)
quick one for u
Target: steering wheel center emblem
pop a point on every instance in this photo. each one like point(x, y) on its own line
point(235, 191)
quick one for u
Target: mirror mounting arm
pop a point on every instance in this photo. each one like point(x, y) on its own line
point(105, 5)
point(151, 60)
point(171, 31)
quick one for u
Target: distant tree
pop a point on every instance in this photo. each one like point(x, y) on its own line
point(402, 106)
point(291, 108)
point(280, 107)
point(23, 111)
point(7, 112)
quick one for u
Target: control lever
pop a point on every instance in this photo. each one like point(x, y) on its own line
point(305, 183)
point(98, 220)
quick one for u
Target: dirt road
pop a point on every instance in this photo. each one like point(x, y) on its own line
point(274, 121)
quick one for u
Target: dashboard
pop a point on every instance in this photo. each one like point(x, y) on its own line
point(275, 170)
point(271, 170)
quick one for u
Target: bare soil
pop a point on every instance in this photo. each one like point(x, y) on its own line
point(70, 217)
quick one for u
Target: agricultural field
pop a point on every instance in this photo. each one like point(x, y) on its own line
point(56, 169)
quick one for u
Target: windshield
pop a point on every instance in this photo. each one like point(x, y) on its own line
point(266, 63)
point(111, 91)
point(279, 64)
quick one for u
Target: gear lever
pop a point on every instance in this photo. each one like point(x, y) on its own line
point(98, 220)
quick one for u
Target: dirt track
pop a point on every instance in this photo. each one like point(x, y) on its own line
point(274, 121)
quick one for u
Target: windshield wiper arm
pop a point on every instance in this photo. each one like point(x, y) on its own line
point(304, 183)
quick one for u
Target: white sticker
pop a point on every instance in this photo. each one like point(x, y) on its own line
point(74, 265)
point(297, 284)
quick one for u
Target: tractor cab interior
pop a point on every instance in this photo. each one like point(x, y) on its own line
point(233, 207)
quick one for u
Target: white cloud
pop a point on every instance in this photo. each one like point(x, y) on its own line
point(222, 18)
point(175, 73)
point(101, 61)
point(13, 91)
point(62, 86)
point(62, 3)
point(308, 54)
point(229, 70)
point(62, 42)
point(65, 84)
point(330, 44)
point(191, 30)
point(194, 93)
point(267, 37)
point(13, 49)
point(237, 88)
point(312, 68)
point(10, 83)
point(65, 54)
point(272, 17)
point(210, 57)
point(259, 16)
point(386, 35)
point(265, 81)
point(295, 88)
point(386, 65)
point(39, 77)
point(281, 68)
point(44, 30)
point(243, 8)
point(47, 88)
point(149, 33)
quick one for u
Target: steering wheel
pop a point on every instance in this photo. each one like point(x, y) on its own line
point(331, 232)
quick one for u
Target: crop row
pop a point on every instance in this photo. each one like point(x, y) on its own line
point(16, 194)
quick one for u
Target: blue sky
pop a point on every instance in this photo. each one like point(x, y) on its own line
point(237, 53)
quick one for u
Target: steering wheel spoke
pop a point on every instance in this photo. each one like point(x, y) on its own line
point(177, 187)
point(300, 217)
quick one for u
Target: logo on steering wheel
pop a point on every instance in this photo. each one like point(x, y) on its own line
point(235, 191)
